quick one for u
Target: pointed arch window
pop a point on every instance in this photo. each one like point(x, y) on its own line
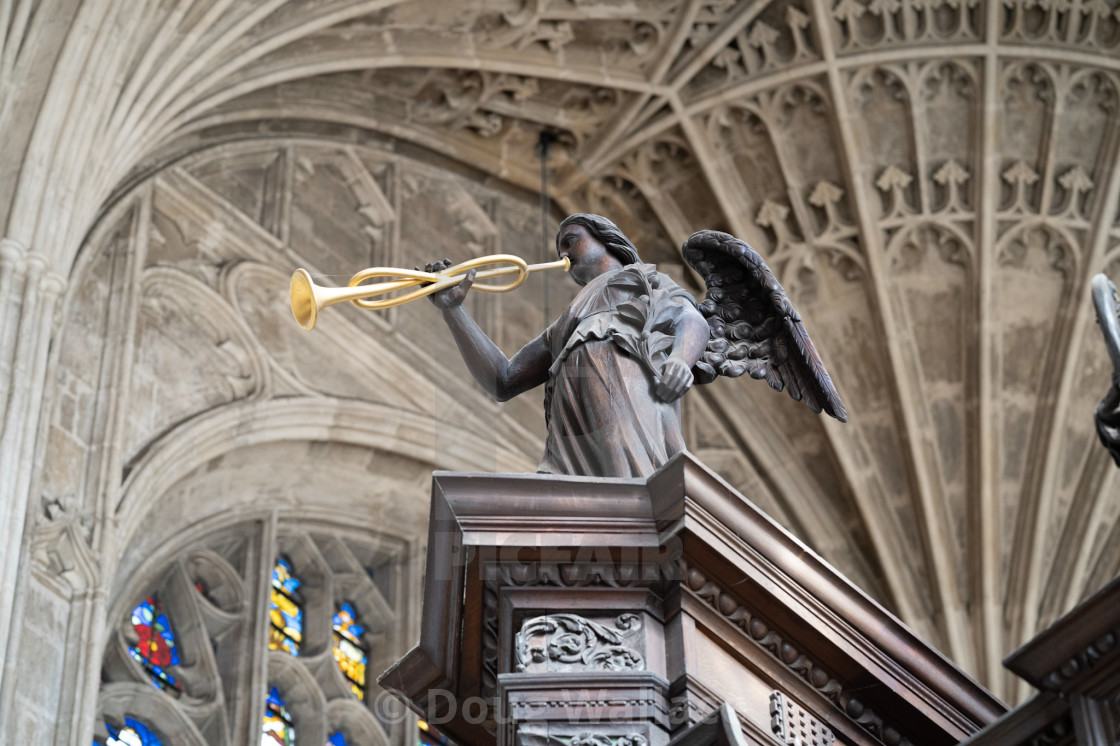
point(277, 729)
point(349, 651)
point(195, 615)
point(134, 733)
point(285, 609)
point(156, 649)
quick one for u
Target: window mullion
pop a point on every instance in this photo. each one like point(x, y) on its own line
point(249, 714)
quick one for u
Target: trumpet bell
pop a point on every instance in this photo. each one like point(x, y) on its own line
point(304, 307)
point(307, 297)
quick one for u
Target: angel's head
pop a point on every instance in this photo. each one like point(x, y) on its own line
point(605, 232)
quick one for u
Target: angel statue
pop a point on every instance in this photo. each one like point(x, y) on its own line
point(1107, 415)
point(617, 360)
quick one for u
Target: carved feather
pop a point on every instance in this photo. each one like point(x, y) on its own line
point(755, 329)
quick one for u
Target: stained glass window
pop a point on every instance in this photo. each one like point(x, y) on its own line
point(156, 649)
point(338, 739)
point(134, 733)
point(349, 650)
point(277, 729)
point(285, 609)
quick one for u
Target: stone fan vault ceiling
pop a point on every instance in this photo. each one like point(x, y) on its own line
point(933, 181)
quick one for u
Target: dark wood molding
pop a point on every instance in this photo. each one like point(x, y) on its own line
point(730, 605)
point(1078, 650)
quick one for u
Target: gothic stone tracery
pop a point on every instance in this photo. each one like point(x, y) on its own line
point(934, 182)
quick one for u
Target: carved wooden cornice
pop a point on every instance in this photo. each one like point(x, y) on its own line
point(1077, 651)
point(506, 551)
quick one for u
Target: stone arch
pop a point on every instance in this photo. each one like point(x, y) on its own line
point(144, 703)
point(962, 254)
point(305, 419)
point(210, 576)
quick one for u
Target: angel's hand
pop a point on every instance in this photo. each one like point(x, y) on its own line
point(452, 296)
point(675, 379)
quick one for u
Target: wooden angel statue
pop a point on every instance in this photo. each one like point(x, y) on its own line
point(1107, 415)
point(617, 360)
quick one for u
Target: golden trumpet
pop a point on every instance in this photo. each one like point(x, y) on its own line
point(308, 298)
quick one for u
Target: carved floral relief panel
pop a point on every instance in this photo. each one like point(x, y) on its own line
point(710, 18)
point(488, 105)
point(615, 35)
point(570, 642)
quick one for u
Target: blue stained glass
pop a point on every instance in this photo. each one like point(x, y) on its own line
point(282, 575)
point(134, 733)
point(277, 729)
point(338, 739)
point(344, 622)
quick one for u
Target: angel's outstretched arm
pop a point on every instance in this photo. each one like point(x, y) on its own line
point(690, 337)
point(501, 377)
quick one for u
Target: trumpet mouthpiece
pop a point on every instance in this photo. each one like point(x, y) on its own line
point(304, 308)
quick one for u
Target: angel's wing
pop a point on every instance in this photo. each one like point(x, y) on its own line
point(1107, 302)
point(754, 327)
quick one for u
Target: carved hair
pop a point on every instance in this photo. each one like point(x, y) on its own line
point(606, 233)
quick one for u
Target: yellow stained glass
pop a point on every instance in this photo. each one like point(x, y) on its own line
point(349, 652)
point(285, 612)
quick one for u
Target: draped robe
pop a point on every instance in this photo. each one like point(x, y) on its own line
point(607, 347)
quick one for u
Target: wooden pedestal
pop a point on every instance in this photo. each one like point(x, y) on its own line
point(568, 611)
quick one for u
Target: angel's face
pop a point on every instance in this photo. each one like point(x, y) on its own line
point(588, 255)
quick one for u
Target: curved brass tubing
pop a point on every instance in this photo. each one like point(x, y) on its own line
point(308, 298)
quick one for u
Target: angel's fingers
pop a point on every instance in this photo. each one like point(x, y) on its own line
point(672, 386)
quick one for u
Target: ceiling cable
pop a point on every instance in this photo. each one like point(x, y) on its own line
point(546, 139)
